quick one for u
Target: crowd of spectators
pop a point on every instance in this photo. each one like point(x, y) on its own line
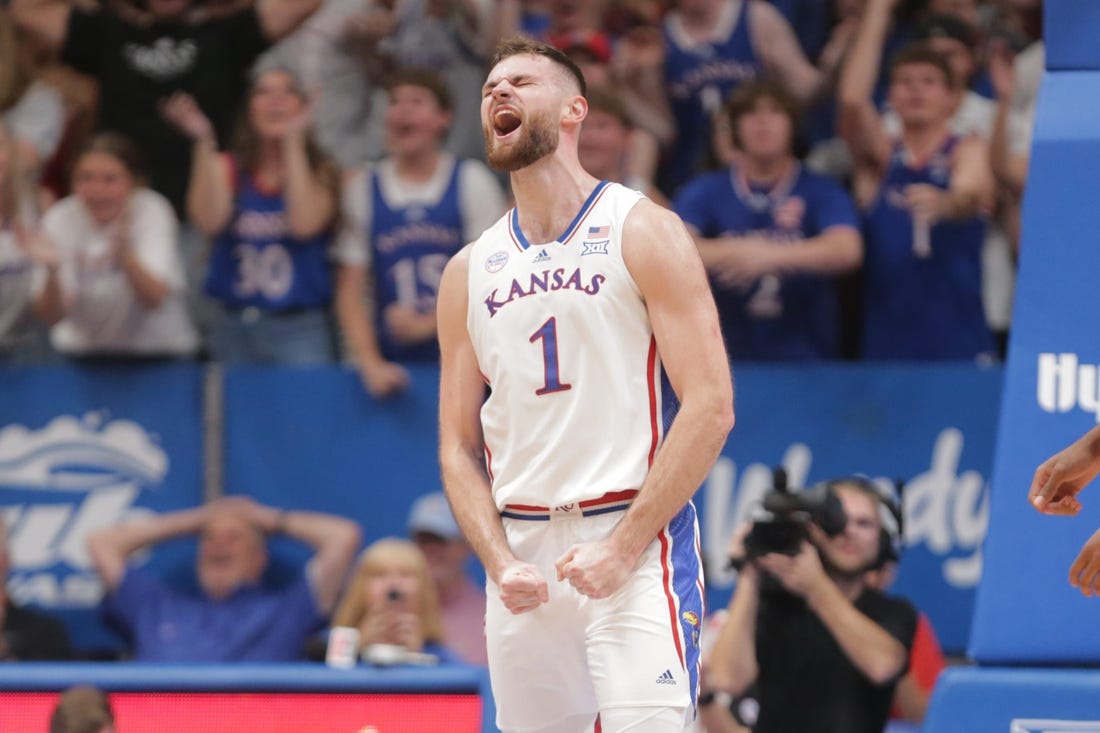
point(281, 181)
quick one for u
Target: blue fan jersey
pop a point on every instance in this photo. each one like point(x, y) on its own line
point(776, 318)
point(410, 246)
point(922, 305)
point(255, 262)
point(698, 80)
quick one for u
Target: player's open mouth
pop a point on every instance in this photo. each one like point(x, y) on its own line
point(505, 122)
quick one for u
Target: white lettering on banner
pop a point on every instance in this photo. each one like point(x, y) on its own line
point(60, 483)
point(1065, 383)
point(945, 510)
point(1022, 725)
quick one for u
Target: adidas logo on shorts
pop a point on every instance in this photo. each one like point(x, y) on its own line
point(666, 679)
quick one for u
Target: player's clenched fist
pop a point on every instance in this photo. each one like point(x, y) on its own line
point(595, 569)
point(522, 588)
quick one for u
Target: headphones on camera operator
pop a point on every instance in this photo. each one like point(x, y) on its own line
point(890, 515)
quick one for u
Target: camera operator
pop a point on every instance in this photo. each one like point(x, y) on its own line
point(823, 648)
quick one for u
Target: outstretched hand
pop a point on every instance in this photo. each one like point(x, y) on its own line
point(1061, 477)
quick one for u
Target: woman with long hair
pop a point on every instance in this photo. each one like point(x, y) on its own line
point(392, 601)
point(118, 287)
point(270, 208)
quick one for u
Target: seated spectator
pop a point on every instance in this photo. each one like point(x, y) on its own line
point(31, 108)
point(771, 235)
point(118, 287)
point(233, 617)
point(26, 635)
point(923, 196)
point(392, 602)
point(462, 604)
point(23, 249)
point(270, 208)
point(403, 219)
point(83, 709)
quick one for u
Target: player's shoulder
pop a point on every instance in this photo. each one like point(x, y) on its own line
point(652, 232)
point(647, 213)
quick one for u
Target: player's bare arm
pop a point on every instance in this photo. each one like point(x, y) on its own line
point(462, 451)
point(663, 260)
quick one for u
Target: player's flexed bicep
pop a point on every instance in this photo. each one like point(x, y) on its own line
point(663, 260)
point(461, 447)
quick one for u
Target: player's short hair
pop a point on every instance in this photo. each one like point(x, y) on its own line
point(604, 99)
point(522, 45)
point(919, 52)
point(744, 99)
point(425, 79)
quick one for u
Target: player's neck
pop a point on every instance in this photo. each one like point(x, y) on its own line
point(765, 171)
point(548, 195)
point(417, 167)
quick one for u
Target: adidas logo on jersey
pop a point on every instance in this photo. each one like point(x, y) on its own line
point(666, 679)
point(542, 256)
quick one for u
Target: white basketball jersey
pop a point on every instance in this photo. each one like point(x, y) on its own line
point(578, 400)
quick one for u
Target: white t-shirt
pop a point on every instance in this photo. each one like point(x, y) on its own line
point(480, 199)
point(103, 314)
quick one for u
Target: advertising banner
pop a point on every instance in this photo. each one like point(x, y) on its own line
point(85, 448)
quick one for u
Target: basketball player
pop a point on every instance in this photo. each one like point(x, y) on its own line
point(587, 313)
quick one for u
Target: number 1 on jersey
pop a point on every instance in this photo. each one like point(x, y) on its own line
point(548, 332)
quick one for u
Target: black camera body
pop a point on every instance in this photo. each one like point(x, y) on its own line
point(790, 513)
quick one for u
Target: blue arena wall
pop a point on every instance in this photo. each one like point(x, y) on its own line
point(1052, 383)
point(312, 439)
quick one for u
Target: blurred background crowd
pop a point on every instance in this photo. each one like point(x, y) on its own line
point(282, 181)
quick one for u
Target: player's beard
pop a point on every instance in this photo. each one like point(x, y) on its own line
point(537, 139)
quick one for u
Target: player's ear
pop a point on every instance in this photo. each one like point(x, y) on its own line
point(576, 110)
